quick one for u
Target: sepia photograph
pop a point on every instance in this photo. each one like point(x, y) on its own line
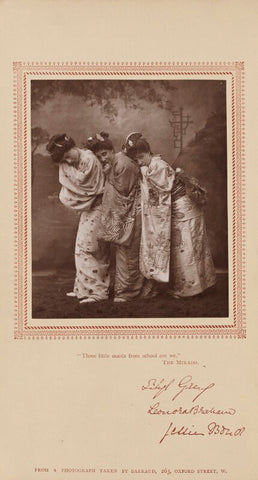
point(129, 198)
point(128, 240)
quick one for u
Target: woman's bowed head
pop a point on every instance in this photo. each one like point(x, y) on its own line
point(137, 148)
point(59, 145)
point(101, 145)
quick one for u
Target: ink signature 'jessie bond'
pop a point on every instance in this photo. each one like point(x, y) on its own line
point(212, 429)
point(181, 386)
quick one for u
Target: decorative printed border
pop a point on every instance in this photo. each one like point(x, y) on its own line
point(25, 70)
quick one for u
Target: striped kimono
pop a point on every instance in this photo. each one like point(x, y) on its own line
point(121, 224)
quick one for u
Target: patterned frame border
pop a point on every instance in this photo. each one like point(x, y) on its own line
point(21, 71)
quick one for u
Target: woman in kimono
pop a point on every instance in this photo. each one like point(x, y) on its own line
point(121, 216)
point(82, 180)
point(174, 243)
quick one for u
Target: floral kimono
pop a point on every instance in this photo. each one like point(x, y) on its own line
point(121, 224)
point(174, 245)
point(156, 186)
point(82, 190)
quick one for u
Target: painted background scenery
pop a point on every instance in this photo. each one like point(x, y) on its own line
point(184, 120)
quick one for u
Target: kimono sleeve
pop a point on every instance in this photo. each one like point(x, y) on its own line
point(71, 173)
point(87, 179)
point(160, 175)
point(125, 177)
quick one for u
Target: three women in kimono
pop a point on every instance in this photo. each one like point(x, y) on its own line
point(174, 243)
point(141, 206)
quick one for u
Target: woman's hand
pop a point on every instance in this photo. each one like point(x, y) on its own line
point(179, 171)
point(179, 175)
point(106, 168)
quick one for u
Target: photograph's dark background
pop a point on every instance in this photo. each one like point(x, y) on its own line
point(82, 107)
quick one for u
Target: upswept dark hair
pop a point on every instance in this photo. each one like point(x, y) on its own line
point(135, 144)
point(99, 141)
point(58, 145)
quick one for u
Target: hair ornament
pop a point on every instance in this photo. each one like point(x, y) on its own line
point(99, 137)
